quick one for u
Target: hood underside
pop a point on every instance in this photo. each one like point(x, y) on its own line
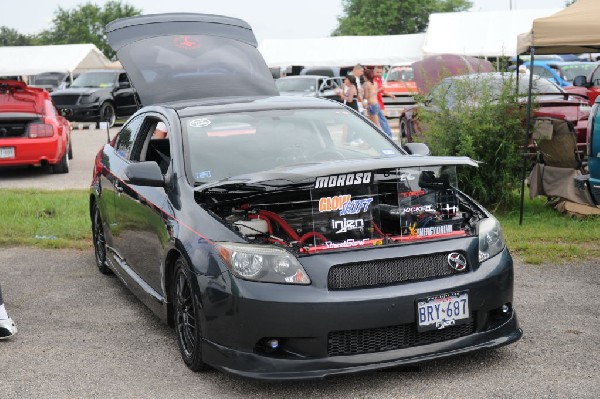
point(177, 57)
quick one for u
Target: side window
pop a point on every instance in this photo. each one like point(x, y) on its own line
point(126, 138)
point(596, 77)
point(542, 72)
point(153, 143)
point(123, 78)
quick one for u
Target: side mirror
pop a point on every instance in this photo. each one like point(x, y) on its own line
point(144, 174)
point(580, 81)
point(124, 85)
point(417, 149)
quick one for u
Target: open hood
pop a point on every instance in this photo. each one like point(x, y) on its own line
point(174, 57)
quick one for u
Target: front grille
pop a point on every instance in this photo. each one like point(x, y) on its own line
point(388, 271)
point(354, 342)
point(65, 99)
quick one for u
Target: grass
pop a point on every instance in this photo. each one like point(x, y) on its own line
point(47, 219)
point(60, 219)
point(548, 236)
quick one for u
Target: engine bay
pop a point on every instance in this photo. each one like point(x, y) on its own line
point(348, 210)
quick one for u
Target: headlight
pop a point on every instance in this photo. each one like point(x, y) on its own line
point(262, 263)
point(88, 99)
point(491, 242)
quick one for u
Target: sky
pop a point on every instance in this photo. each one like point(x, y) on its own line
point(270, 19)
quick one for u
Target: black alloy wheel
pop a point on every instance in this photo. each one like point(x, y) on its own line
point(107, 114)
point(99, 241)
point(187, 323)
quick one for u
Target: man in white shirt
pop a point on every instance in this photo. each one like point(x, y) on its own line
point(358, 72)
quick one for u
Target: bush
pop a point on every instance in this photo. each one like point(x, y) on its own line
point(479, 117)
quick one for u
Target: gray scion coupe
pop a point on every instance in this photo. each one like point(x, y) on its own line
point(285, 237)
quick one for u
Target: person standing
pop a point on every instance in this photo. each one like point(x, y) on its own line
point(358, 72)
point(348, 92)
point(371, 98)
point(7, 326)
point(378, 72)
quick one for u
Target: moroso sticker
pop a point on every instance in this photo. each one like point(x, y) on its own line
point(356, 206)
point(347, 179)
point(335, 203)
point(345, 225)
point(407, 194)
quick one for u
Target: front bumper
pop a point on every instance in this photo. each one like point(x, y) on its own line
point(81, 113)
point(305, 318)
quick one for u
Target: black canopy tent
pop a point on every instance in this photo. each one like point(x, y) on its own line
point(574, 29)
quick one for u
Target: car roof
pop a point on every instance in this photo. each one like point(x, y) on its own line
point(241, 104)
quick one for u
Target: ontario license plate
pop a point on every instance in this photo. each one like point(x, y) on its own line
point(7, 152)
point(441, 311)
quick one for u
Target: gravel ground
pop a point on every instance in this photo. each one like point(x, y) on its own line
point(85, 335)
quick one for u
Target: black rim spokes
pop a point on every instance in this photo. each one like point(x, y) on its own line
point(99, 237)
point(186, 320)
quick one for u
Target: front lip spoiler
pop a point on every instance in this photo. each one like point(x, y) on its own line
point(510, 332)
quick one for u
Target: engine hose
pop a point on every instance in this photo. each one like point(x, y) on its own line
point(310, 234)
point(282, 223)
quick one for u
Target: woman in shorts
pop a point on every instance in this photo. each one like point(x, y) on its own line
point(370, 97)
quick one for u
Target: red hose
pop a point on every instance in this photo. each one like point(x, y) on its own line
point(316, 234)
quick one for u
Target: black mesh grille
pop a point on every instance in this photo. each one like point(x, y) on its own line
point(353, 342)
point(388, 271)
point(66, 99)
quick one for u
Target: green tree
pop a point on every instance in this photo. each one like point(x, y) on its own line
point(480, 120)
point(391, 17)
point(11, 37)
point(85, 24)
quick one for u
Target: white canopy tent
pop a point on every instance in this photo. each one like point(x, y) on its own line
point(485, 34)
point(31, 60)
point(343, 50)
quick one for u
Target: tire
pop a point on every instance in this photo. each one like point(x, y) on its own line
point(63, 165)
point(186, 318)
point(70, 149)
point(99, 241)
point(107, 113)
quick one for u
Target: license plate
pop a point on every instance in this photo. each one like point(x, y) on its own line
point(7, 152)
point(441, 311)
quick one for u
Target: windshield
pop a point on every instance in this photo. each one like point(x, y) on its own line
point(95, 79)
point(50, 78)
point(401, 75)
point(227, 145)
point(569, 72)
point(296, 85)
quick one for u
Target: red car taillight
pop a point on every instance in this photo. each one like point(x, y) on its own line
point(37, 130)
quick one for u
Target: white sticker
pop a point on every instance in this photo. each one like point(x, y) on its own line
point(388, 152)
point(103, 125)
point(203, 122)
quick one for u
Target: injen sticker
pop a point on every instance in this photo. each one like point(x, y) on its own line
point(345, 225)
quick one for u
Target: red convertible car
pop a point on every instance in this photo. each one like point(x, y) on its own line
point(31, 130)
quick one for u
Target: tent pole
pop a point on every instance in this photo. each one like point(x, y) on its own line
point(518, 73)
point(527, 134)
